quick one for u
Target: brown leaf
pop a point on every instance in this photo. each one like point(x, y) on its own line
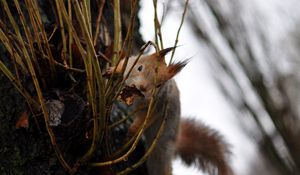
point(128, 94)
point(23, 121)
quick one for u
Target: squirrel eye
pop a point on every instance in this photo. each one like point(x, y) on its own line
point(140, 68)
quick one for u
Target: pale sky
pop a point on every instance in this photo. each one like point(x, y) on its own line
point(200, 96)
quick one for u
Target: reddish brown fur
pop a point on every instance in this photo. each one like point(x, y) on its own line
point(164, 52)
point(166, 72)
point(174, 68)
point(150, 62)
point(202, 146)
point(138, 121)
point(196, 144)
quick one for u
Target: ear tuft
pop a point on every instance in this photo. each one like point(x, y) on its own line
point(165, 51)
point(175, 68)
point(159, 56)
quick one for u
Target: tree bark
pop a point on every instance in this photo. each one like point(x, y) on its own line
point(29, 150)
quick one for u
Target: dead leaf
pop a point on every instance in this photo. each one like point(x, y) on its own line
point(55, 109)
point(128, 94)
point(23, 121)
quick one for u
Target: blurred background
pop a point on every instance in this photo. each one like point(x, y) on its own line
point(243, 78)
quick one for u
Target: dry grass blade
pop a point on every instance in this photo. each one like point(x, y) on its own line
point(10, 48)
point(90, 60)
point(31, 48)
point(44, 38)
point(37, 86)
point(131, 140)
point(70, 34)
point(137, 139)
point(88, 70)
point(85, 6)
point(17, 84)
point(127, 43)
point(88, 67)
point(43, 32)
point(92, 67)
point(71, 29)
point(29, 39)
point(34, 27)
point(128, 39)
point(63, 35)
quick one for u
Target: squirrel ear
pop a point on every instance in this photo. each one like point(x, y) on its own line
point(170, 71)
point(175, 68)
point(162, 53)
point(165, 51)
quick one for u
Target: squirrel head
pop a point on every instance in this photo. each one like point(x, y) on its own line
point(150, 71)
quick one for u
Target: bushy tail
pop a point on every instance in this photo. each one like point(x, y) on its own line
point(203, 147)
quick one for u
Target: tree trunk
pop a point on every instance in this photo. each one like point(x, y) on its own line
point(28, 150)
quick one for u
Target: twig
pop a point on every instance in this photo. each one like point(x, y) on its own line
point(157, 28)
point(138, 137)
point(17, 84)
point(181, 23)
point(63, 35)
point(152, 146)
point(70, 34)
point(117, 32)
point(38, 90)
point(119, 85)
point(104, 57)
point(126, 43)
point(90, 78)
point(125, 118)
point(66, 67)
point(29, 37)
point(98, 21)
point(128, 39)
point(44, 37)
point(8, 45)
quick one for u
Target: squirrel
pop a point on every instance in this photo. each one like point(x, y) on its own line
point(195, 143)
